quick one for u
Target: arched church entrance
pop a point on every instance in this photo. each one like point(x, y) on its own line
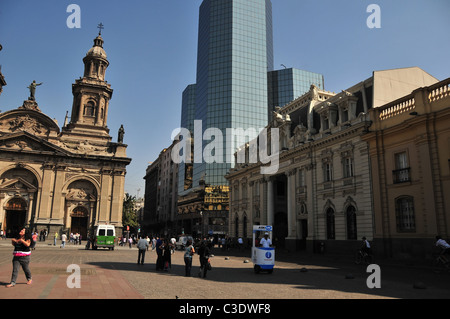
point(18, 190)
point(15, 216)
point(81, 206)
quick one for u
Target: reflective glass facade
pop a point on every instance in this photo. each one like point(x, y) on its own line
point(188, 107)
point(288, 84)
point(187, 121)
point(235, 53)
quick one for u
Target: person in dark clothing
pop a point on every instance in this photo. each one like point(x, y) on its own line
point(159, 252)
point(167, 258)
point(188, 253)
point(204, 253)
point(21, 253)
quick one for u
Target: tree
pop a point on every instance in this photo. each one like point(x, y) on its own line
point(129, 217)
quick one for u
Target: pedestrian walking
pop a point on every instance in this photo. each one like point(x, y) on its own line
point(240, 243)
point(159, 252)
point(63, 240)
point(34, 240)
point(173, 242)
point(188, 253)
point(148, 242)
point(142, 246)
point(153, 243)
point(167, 255)
point(55, 238)
point(21, 253)
point(204, 252)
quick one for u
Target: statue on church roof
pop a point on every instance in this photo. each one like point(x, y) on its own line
point(121, 134)
point(32, 88)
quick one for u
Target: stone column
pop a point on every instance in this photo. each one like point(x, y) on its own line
point(270, 201)
point(45, 211)
point(291, 203)
point(30, 218)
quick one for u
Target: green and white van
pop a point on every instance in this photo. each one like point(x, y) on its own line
point(105, 236)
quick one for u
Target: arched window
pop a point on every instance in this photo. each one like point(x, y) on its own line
point(16, 204)
point(351, 222)
point(89, 109)
point(79, 211)
point(330, 224)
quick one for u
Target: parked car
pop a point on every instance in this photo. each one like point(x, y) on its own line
point(182, 240)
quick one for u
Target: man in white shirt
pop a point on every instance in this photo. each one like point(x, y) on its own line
point(63, 240)
point(443, 245)
point(240, 243)
point(265, 241)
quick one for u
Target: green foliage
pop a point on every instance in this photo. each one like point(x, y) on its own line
point(129, 217)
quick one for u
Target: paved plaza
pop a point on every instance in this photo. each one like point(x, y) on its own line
point(115, 274)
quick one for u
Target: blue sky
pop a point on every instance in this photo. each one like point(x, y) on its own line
point(152, 50)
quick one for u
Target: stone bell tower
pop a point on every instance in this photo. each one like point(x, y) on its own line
point(91, 96)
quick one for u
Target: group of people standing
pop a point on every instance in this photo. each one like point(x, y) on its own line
point(166, 247)
point(204, 253)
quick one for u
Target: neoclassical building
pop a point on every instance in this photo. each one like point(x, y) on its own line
point(409, 142)
point(321, 195)
point(67, 179)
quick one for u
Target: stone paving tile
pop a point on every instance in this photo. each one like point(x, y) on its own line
point(50, 280)
point(115, 275)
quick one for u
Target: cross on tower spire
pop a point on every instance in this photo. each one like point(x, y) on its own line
point(100, 27)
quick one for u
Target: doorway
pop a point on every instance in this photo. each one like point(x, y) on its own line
point(79, 222)
point(79, 225)
point(280, 222)
point(15, 217)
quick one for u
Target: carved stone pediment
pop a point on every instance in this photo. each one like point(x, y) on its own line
point(27, 119)
point(17, 185)
point(80, 194)
point(27, 124)
point(23, 141)
point(85, 147)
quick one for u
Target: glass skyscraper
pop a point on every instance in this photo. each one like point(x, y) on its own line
point(187, 122)
point(288, 84)
point(236, 86)
point(235, 52)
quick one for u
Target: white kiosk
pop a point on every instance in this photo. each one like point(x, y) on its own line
point(263, 258)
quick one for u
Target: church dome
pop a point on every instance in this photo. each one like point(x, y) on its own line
point(97, 50)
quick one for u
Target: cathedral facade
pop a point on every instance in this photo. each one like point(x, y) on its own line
point(68, 179)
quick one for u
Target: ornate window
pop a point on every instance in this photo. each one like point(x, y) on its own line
point(327, 172)
point(348, 167)
point(401, 173)
point(404, 210)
